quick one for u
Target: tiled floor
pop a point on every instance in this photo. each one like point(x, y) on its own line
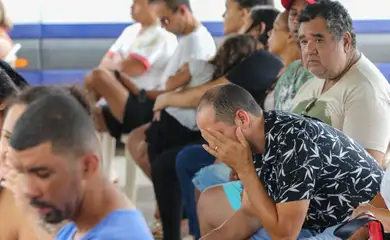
point(145, 196)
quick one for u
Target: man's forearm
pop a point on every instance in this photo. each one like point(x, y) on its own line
point(189, 98)
point(184, 99)
point(153, 94)
point(263, 206)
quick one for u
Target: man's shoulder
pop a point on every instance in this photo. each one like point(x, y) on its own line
point(118, 225)
point(290, 122)
point(199, 45)
point(123, 224)
point(66, 232)
point(199, 36)
point(291, 126)
point(366, 78)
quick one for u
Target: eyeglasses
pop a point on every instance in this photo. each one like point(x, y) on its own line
point(309, 106)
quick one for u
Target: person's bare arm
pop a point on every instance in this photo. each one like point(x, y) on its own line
point(129, 85)
point(181, 78)
point(188, 98)
point(240, 226)
point(110, 61)
point(133, 67)
point(382, 214)
point(281, 220)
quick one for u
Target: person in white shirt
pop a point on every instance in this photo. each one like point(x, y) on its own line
point(196, 47)
point(129, 75)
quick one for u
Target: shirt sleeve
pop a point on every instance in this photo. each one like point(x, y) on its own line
point(201, 72)
point(126, 37)
point(297, 169)
point(114, 49)
point(367, 117)
point(150, 50)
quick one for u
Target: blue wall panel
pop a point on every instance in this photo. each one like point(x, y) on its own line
point(113, 30)
point(80, 31)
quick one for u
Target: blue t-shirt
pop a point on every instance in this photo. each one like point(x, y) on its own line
point(118, 225)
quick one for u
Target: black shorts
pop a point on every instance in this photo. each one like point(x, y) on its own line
point(168, 133)
point(135, 114)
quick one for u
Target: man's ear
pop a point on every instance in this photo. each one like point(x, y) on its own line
point(347, 41)
point(90, 164)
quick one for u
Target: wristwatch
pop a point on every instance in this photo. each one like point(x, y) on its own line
point(142, 97)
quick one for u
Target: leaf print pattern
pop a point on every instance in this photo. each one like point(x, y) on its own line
point(305, 159)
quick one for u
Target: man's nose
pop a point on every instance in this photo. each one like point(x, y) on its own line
point(31, 189)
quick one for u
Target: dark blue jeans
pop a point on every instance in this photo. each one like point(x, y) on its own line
point(189, 161)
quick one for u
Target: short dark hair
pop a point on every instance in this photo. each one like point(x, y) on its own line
point(266, 15)
point(335, 14)
point(33, 93)
point(227, 100)
point(251, 3)
point(175, 4)
point(59, 119)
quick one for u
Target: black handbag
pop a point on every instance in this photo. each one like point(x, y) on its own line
point(366, 219)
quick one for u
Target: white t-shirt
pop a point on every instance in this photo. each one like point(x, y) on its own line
point(358, 104)
point(153, 46)
point(198, 45)
point(201, 72)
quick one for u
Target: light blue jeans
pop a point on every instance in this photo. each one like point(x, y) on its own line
point(211, 175)
point(305, 234)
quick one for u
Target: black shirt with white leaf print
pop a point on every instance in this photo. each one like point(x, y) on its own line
point(305, 159)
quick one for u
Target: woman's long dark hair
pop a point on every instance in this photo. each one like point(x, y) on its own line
point(266, 15)
point(233, 51)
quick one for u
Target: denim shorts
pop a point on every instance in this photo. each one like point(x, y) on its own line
point(211, 175)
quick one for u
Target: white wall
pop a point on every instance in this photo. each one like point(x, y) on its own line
point(92, 11)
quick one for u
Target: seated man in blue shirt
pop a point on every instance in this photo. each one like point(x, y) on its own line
point(55, 146)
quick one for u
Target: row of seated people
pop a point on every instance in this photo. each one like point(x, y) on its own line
point(192, 69)
point(171, 108)
point(147, 90)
